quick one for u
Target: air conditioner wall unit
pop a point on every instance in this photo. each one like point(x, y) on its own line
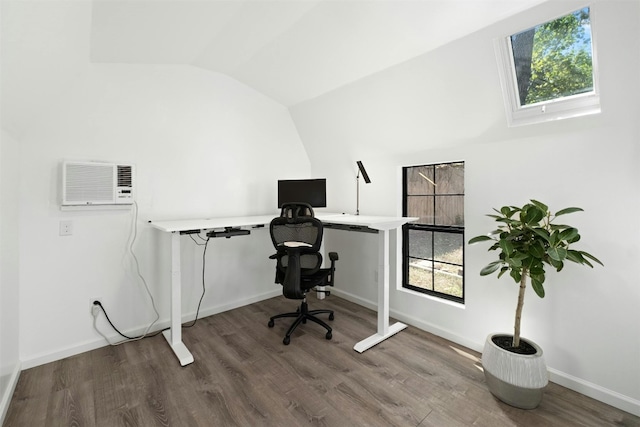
point(94, 183)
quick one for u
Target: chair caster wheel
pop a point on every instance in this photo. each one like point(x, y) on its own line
point(328, 336)
point(286, 340)
point(331, 316)
point(271, 323)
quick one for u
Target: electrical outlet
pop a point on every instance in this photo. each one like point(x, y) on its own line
point(66, 228)
point(95, 309)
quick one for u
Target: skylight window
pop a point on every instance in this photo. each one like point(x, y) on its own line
point(548, 72)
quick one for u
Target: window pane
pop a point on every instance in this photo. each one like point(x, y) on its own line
point(449, 178)
point(450, 284)
point(422, 207)
point(420, 276)
point(448, 248)
point(554, 60)
point(450, 210)
point(420, 244)
point(420, 180)
point(449, 271)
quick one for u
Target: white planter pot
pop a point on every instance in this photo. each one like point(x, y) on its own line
point(516, 379)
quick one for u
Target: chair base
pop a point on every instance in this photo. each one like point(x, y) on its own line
point(302, 315)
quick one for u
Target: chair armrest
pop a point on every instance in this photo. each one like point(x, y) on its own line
point(333, 256)
point(274, 256)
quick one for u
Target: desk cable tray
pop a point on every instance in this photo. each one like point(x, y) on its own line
point(228, 232)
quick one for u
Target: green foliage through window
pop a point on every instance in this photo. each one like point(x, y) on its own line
point(554, 60)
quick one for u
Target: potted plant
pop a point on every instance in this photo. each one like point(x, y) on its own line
point(527, 241)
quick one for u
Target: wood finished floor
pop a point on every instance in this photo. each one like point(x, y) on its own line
point(244, 376)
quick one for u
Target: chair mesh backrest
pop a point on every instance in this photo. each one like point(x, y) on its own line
point(297, 224)
point(305, 230)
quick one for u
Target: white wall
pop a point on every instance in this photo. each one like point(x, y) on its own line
point(203, 144)
point(9, 285)
point(447, 106)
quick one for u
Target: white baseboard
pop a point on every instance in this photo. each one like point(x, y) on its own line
point(5, 401)
point(234, 304)
point(610, 397)
point(596, 392)
point(41, 359)
point(355, 299)
point(418, 323)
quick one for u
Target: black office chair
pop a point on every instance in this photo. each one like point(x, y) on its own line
point(297, 236)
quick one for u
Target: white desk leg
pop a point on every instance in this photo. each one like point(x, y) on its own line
point(384, 329)
point(174, 335)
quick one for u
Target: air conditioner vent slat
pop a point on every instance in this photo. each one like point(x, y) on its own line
point(124, 176)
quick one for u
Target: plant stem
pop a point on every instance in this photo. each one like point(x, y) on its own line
point(516, 331)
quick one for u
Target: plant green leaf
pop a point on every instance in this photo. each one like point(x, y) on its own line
point(490, 268)
point(568, 234)
point(506, 246)
point(479, 239)
point(537, 270)
point(575, 256)
point(568, 211)
point(574, 239)
point(514, 262)
point(540, 205)
point(519, 255)
point(516, 274)
point(591, 257)
point(536, 284)
point(537, 250)
point(534, 215)
point(541, 232)
point(557, 253)
point(558, 265)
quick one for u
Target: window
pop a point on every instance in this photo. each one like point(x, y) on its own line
point(548, 72)
point(433, 246)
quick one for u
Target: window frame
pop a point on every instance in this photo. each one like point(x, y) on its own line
point(555, 109)
point(432, 228)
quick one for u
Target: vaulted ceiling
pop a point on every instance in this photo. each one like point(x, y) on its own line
point(289, 50)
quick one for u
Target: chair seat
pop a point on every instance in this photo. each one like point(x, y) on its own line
point(319, 278)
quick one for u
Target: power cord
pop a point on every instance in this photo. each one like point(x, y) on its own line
point(97, 305)
point(204, 252)
point(95, 309)
point(134, 233)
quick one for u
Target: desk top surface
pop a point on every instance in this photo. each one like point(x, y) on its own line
point(374, 222)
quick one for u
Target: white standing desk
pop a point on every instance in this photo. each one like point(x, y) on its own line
point(343, 221)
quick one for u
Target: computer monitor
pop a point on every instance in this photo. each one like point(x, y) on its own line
point(312, 191)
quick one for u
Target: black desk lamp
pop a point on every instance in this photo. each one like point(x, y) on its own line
point(366, 180)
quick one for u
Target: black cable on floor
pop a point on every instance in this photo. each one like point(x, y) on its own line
point(99, 304)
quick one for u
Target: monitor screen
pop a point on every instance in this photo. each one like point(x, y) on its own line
point(312, 191)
